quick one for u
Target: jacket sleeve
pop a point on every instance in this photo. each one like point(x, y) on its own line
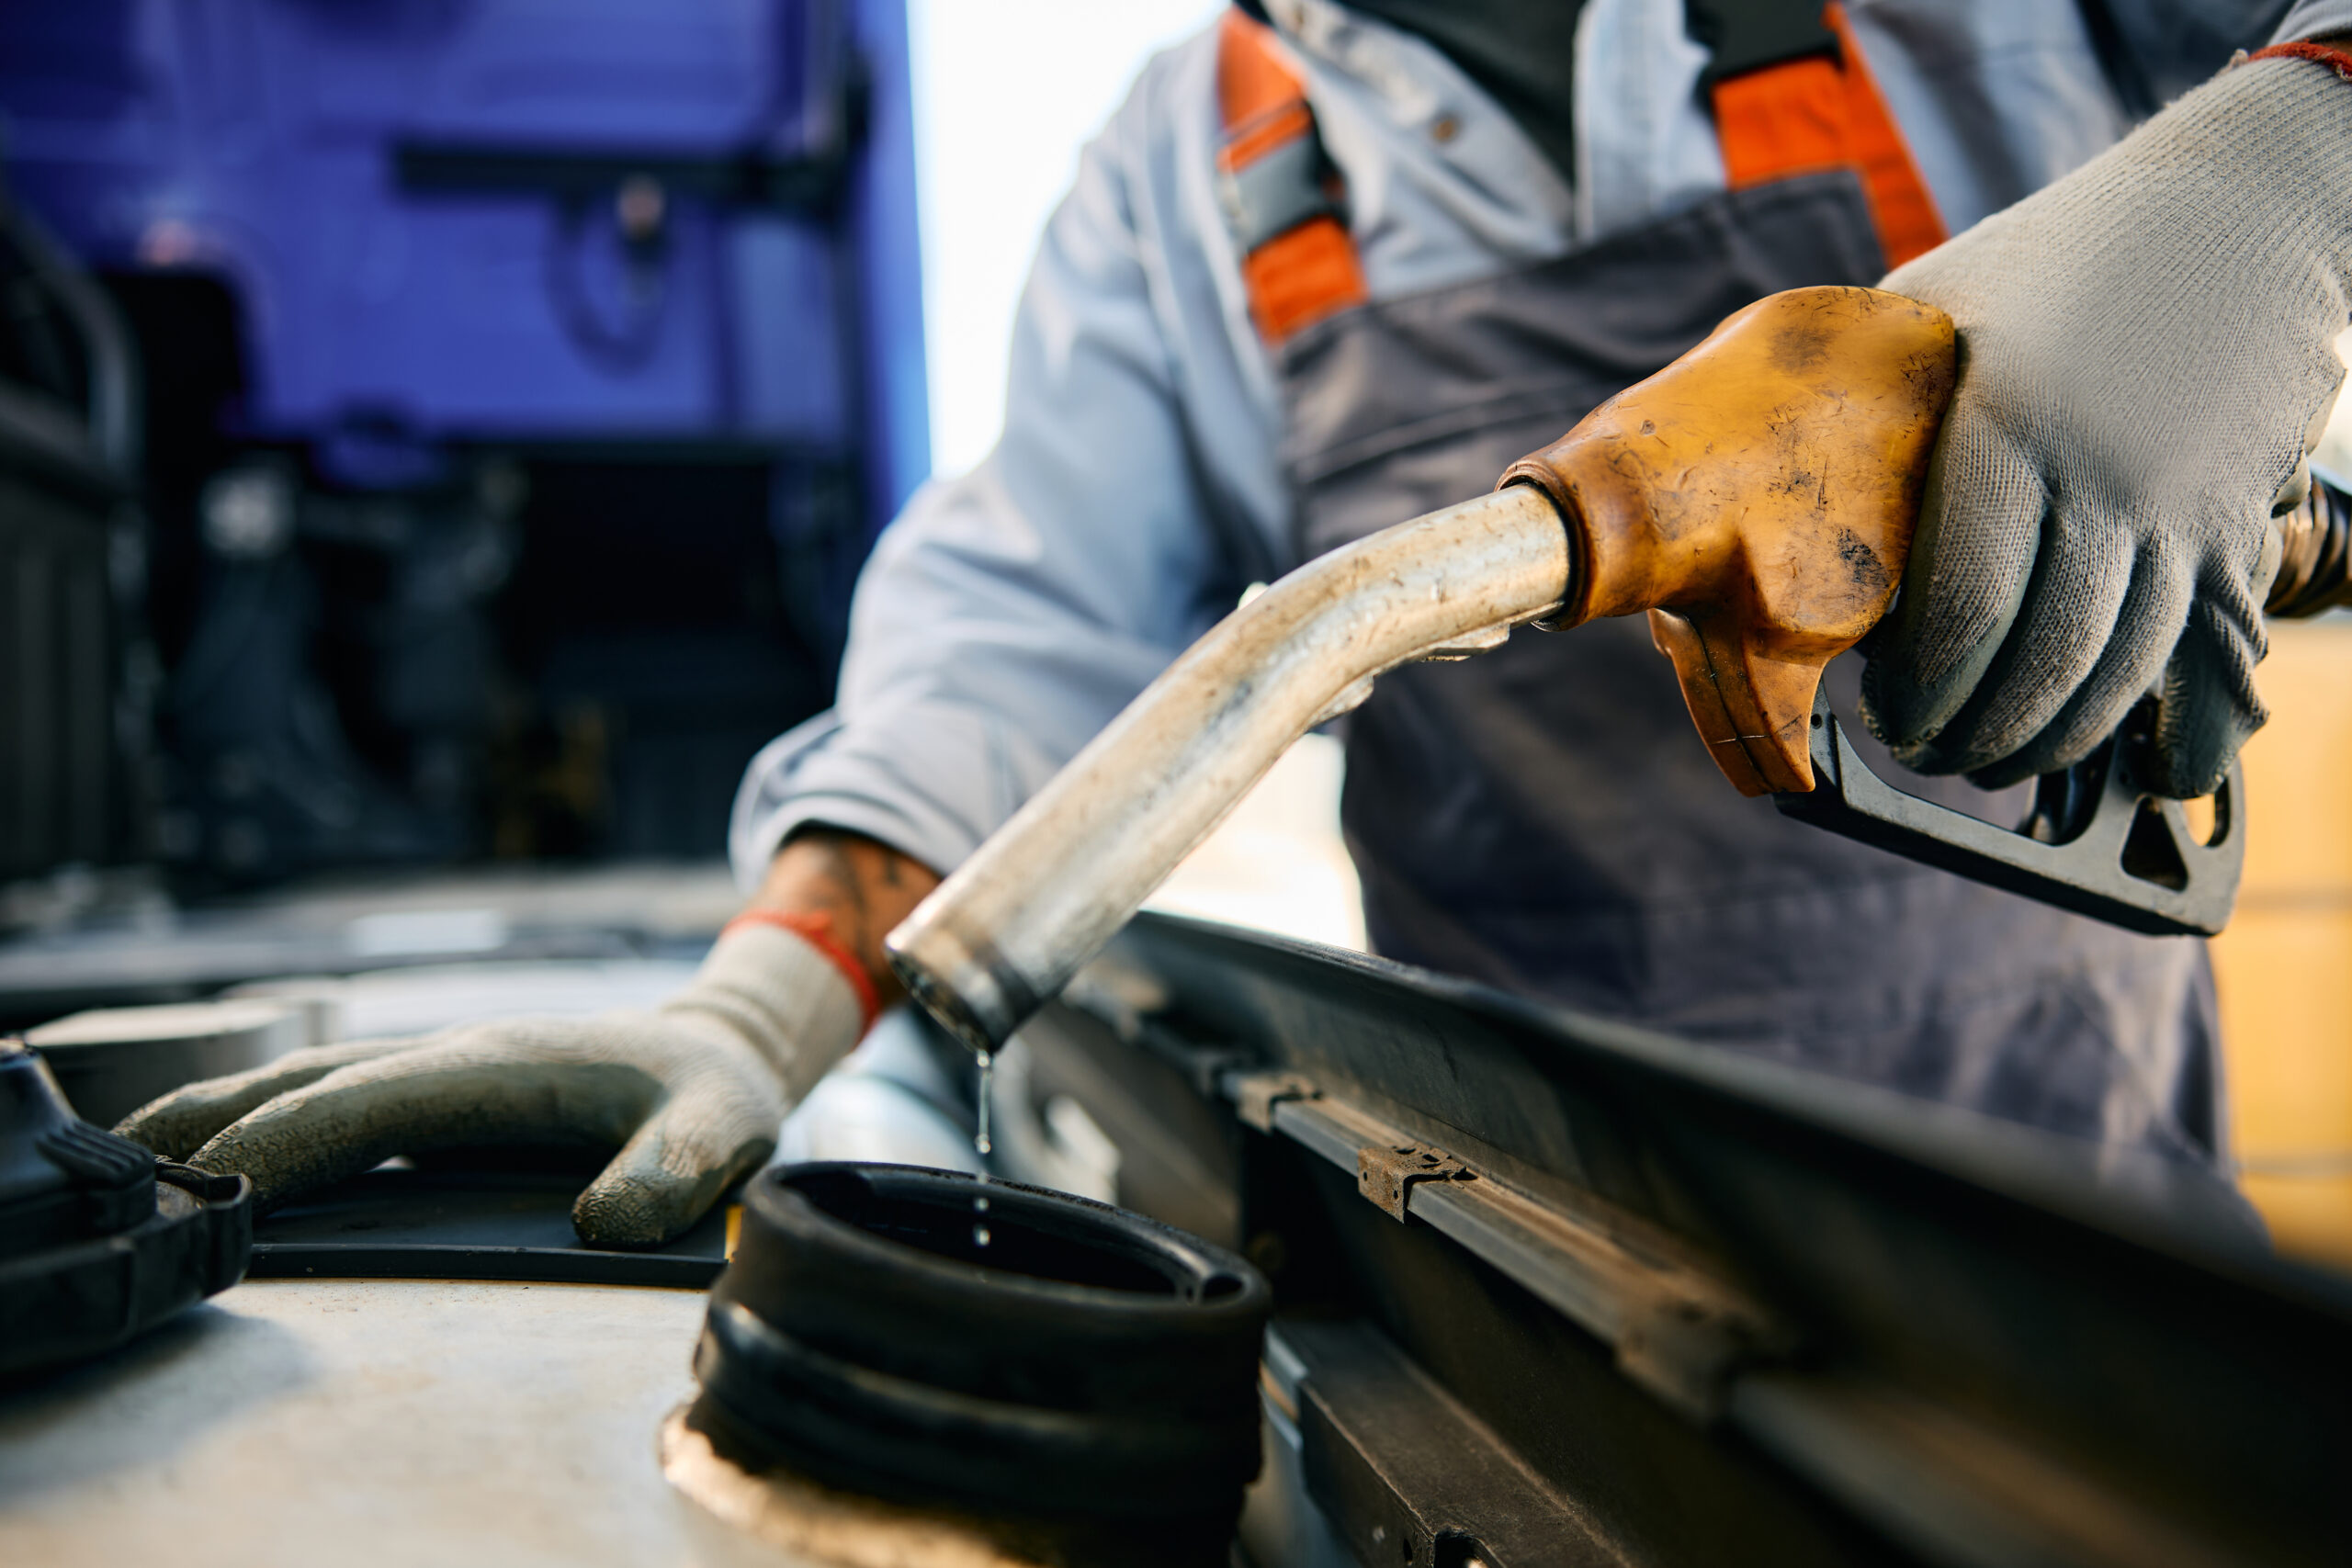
point(1008, 615)
point(2314, 18)
point(2158, 50)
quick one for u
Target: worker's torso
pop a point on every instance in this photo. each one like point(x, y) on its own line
point(1543, 818)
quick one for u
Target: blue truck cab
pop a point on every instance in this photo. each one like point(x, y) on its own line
point(520, 385)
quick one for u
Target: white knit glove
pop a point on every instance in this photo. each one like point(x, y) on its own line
point(2144, 362)
point(691, 1094)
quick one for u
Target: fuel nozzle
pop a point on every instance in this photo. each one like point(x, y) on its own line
point(1756, 498)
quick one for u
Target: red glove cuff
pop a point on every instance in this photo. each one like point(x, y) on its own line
point(817, 930)
point(2335, 58)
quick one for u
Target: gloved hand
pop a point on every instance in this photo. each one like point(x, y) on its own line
point(691, 1094)
point(2144, 362)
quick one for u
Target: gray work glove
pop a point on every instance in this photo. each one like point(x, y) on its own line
point(691, 1094)
point(2145, 361)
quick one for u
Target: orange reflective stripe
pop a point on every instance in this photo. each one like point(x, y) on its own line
point(1252, 78)
point(1296, 277)
point(1799, 117)
point(1908, 223)
point(1807, 115)
point(1785, 119)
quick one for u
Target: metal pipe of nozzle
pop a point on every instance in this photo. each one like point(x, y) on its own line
point(1003, 935)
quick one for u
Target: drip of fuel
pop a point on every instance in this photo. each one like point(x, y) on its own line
point(980, 1143)
point(981, 1139)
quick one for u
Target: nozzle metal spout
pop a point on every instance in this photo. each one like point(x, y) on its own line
point(1003, 934)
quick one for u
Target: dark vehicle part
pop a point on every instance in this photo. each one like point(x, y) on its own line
point(456, 1219)
point(1415, 1477)
point(1078, 1372)
point(111, 1061)
point(333, 699)
point(2095, 841)
point(70, 565)
point(100, 1241)
point(1718, 1309)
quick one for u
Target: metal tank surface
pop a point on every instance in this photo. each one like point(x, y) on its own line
point(294, 1423)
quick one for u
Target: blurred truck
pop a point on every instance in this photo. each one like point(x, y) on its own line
point(467, 417)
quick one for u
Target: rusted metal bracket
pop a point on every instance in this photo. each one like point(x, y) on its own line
point(1385, 1172)
point(1678, 1328)
point(1255, 1095)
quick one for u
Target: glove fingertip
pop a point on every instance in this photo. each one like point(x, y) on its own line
point(2209, 707)
point(2191, 761)
point(178, 1124)
point(625, 1211)
point(163, 1128)
point(639, 1201)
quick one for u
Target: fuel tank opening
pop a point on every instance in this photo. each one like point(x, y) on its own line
point(1078, 1388)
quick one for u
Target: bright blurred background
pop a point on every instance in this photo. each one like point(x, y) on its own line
point(2284, 966)
point(1005, 94)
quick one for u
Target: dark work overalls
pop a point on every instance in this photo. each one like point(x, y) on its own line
point(1544, 818)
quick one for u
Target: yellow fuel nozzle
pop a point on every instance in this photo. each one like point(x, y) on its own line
point(1756, 498)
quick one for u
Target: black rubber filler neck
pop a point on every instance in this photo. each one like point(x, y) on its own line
point(922, 1335)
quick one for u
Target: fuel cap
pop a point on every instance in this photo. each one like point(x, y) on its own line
point(100, 1240)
